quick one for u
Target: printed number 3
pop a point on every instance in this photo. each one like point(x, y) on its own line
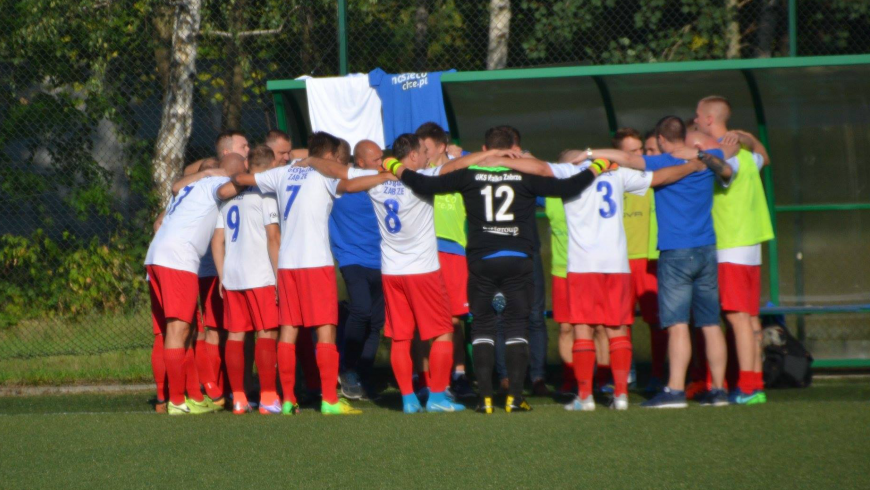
point(294, 191)
point(608, 199)
point(233, 224)
point(184, 193)
point(392, 217)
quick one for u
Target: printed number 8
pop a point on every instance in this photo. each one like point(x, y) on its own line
point(392, 217)
point(233, 224)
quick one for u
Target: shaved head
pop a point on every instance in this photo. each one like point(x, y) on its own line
point(367, 154)
point(233, 163)
point(712, 115)
point(702, 141)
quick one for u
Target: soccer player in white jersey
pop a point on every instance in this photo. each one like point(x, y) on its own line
point(598, 261)
point(172, 262)
point(415, 296)
point(307, 291)
point(245, 246)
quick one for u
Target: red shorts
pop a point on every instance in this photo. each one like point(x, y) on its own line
point(173, 295)
point(211, 302)
point(416, 300)
point(307, 297)
point(600, 299)
point(454, 268)
point(740, 287)
point(560, 300)
point(251, 309)
point(645, 288)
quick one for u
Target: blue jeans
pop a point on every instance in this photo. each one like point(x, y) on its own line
point(689, 283)
point(537, 330)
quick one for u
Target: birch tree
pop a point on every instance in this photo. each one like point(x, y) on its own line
point(499, 32)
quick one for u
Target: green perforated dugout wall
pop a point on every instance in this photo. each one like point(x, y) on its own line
point(812, 113)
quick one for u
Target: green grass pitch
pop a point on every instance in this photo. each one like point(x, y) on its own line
point(813, 438)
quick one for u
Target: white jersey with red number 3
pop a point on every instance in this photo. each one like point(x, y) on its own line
point(407, 224)
point(596, 237)
point(246, 254)
point(305, 200)
point(185, 234)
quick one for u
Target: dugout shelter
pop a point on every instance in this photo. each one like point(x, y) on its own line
point(812, 113)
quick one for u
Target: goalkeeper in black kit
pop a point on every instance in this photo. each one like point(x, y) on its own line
point(500, 204)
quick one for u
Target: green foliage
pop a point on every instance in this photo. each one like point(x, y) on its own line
point(41, 277)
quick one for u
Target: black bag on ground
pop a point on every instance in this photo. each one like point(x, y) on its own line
point(787, 363)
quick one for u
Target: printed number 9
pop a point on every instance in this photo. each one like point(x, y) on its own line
point(392, 217)
point(608, 195)
point(233, 223)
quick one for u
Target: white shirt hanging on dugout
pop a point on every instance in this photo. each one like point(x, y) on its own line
point(347, 107)
point(596, 236)
point(184, 236)
point(305, 200)
point(407, 224)
point(246, 253)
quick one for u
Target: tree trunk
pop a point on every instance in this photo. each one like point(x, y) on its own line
point(234, 81)
point(162, 22)
point(767, 27)
point(177, 118)
point(421, 33)
point(499, 31)
point(732, 30)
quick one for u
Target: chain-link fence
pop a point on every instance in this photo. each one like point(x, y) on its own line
point(103, 103)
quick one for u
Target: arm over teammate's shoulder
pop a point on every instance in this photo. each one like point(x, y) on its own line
point(564, 188)
point(442, 184)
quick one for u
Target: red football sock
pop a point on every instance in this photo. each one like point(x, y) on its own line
point(158, 368)
point(620, 361)
point(746, 381)
point(403, 367)
point(659, 351)
point(214, 359)
point(194, 392)
point(305, 353)
point(205, 369)
point(584, 363)
point(602, 374)
point(759, 380)
point(174, 360)
point(265, 357)
point(327, 362)
point(235, 357)
point(440, 363)
point(287, 370)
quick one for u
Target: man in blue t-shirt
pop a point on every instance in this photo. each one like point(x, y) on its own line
point(687, 268)
point(356, 245)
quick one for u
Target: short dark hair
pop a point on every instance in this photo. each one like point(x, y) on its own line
point(405, 144)
point(498, 138)
point(343, 154)
point(649, 134)
point(321, 143)
point(514, 132)
point(625, 133)
point(671, 128)
point(432, 131)
point(226, 138)
point(275, 135)
point(261, 156)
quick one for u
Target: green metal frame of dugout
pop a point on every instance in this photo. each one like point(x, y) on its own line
point(812, 113)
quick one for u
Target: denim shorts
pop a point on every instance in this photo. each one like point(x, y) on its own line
point(689, 283)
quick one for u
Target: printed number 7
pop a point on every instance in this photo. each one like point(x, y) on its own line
point(294, 191)
point(184, 193)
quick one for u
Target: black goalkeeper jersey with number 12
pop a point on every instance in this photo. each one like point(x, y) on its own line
point(499, 203)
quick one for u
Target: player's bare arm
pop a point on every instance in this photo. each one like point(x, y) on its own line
point(190, 179)
point(747, 140)
point(714, 163)
point(564, 188)
point(531, 166)
point(329, 168)
point(424, 184)
point(362, 184)
point(477, 159)
point(218, 250)
point(273, 244)
point(624, 159)
point(159, 220)
point(230, 190)
point(669, 175)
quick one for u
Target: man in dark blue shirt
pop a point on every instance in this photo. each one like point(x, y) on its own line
point(356, 245)
point(688, 266)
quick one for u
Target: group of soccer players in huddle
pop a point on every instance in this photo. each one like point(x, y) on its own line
point(247, 234)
